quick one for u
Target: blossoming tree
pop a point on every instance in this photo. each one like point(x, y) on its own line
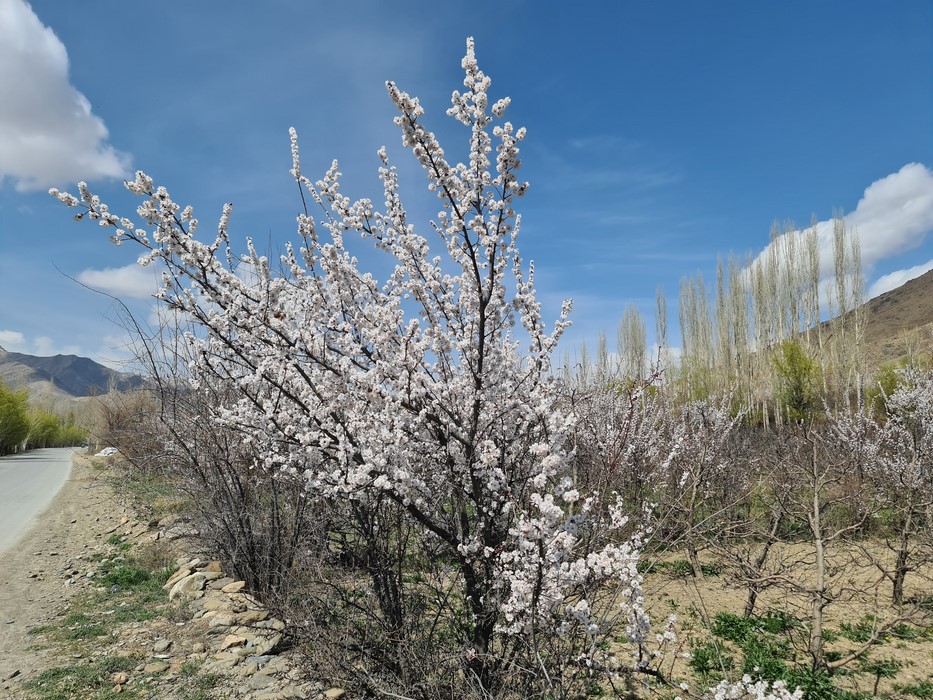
point(428, 395)
point(422, 416)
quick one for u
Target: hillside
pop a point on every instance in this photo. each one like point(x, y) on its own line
point(63, 375)
point(900, 322)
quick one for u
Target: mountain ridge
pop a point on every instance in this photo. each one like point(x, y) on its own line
point(70, 375)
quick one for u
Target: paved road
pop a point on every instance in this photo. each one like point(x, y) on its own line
point(28, 483)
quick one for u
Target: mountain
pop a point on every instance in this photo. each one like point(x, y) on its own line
point(67, 375)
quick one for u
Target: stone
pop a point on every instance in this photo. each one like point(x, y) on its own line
point(212, 602)
point(251, 616)
point(333, 693)
point(232, 640)
point(187, 586)
point(234, 587)
point(162, 645)
point(155, 667)
point(217, 621)
point(259, 660)
point(289, 692)
point(176, 577)
point(268, 645)
point(248, 669)
point(119, 678)
point(260, 681)
point(276, 664)
point(225, 659)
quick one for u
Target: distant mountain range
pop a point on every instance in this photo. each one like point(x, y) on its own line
point(67, 375)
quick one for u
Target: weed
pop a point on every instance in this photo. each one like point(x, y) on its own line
point(125, 576)
point(905, 632)
point(189, 668)
point(776, 622)
point(815, 684)
point(922, 690)
point(708, 660)
point(90, 680)
point(880, 668)
point(735, 628)
point(765, 658)
point(860, 632)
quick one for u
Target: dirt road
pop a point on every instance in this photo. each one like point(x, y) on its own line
point(37, 570)
point(28, 483)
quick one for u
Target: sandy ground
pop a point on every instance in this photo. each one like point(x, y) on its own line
point(33, 587)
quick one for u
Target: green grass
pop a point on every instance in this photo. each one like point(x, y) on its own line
point(923, 690)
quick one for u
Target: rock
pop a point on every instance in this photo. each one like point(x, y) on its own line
point(198, 648)
point(119, 678)
point(232, 640)
point(268, 645)
point(155, 667)
point(287, 693)
point(162, 645)
point(260, 660)
point(220, 583)
point(333, 693)
point(234, 587)
point(277, 665)
point(212, 602)
point(248, 669)
point(216, 621)
point(251, 616)
point(176, 577)
point(225, 659)
point(261, 680)
point(187, 586)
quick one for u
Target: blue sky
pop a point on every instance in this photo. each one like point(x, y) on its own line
point(659, 134)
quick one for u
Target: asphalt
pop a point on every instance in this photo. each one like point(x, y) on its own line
point(28, 483)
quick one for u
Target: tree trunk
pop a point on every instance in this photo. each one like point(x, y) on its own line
point(818, 593)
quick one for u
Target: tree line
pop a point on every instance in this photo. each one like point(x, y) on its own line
point(26, 426)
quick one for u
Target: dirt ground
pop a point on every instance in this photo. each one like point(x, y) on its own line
point(38, 572)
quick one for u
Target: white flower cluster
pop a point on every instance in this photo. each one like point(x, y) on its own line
point(747, 689)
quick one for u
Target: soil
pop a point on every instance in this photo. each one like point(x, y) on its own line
point(36, 579)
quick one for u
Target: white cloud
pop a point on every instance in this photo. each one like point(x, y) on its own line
point(895, 279)
point(46, 347)
point(12, 341)
point(43, 346)
point(48, 135)
point(132, 281)
point(894, 215)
